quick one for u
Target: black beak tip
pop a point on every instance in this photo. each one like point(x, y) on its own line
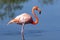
point(40, 12)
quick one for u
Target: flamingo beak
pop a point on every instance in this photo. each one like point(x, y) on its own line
point(39, 11)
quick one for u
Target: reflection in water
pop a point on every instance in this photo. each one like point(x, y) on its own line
point(8, 7)
point(47, 1)
point(33, 33)
point(15, 33)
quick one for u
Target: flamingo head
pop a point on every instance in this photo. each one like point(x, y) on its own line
point(37, 8)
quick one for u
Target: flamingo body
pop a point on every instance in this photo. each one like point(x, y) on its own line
point(24, 18)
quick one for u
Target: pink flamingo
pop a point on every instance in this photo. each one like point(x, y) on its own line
point(26, 19)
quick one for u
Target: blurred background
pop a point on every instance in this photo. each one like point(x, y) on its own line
point(48, 27)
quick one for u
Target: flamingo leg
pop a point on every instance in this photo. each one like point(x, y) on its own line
point(22, 31)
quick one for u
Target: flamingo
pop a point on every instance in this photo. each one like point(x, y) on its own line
point(26, 19)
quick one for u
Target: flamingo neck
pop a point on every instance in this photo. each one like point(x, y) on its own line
point(36, 21)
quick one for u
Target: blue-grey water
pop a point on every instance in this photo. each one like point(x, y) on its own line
point(48, 27)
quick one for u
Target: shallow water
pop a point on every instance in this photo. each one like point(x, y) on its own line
point(48, 27)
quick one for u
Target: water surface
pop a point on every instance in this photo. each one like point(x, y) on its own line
point(48, 27)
